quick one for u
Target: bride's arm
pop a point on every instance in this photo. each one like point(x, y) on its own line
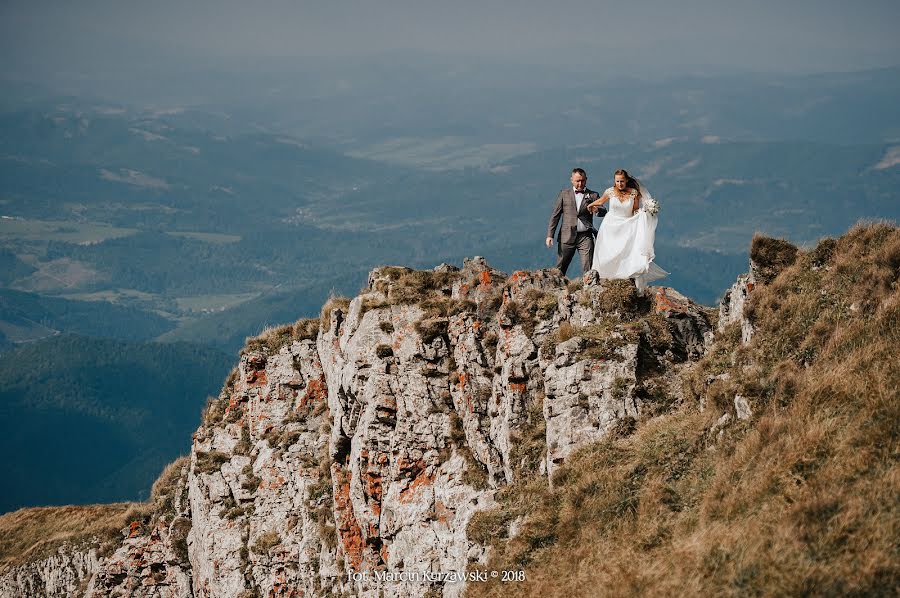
point(636, 203)
point(599, 202)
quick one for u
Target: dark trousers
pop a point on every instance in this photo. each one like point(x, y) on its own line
point(584, 244)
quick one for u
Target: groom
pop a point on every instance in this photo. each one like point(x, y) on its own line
point(577, 230)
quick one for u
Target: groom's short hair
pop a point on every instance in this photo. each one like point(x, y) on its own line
point(579, 171)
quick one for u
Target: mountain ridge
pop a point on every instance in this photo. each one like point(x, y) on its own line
point(462, 420)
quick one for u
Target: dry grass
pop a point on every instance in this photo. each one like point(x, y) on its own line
point(430, 290)
point(770, 256)
point(535, 306)
point(407, 286)
point(266, 542)
point(529, 440)
point(273, 338)
point(210, 462)
point(213, 411)
point(602, 339)
point(620, 296)
point(342, 303)
point(799, 500)
point(232, 377)
point(431, 328)
point(622, 317)
point(28, 535)
point(31, 534)
point(162, 494)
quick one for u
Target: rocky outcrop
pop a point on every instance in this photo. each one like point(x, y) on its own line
point(346, 451)
point(733, 305)
point(768, 257)
point(58, 576)
point(256, 484)
point(152, 560)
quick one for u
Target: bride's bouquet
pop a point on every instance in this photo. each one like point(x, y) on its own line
point(651, 206)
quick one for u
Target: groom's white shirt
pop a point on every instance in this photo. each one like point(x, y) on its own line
point(579, 196)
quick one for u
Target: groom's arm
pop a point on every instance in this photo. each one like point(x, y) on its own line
point(554, 218)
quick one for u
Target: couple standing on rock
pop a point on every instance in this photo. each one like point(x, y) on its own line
point(623, 246)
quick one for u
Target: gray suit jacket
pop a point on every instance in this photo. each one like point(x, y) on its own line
point(565, 209)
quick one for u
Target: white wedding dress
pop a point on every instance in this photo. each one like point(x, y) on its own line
point(624, 244)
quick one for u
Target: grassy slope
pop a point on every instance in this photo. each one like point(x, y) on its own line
point(30, 534)
point(800, 499)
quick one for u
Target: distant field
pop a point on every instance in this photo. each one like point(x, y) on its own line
point(57, 275)
point(443, 153)
point(86, 232)
point(186, 305)
point(59, 230)
point(206, 303)
point(207, 237)
point(111, 295)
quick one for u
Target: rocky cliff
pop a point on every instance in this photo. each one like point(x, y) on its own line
point(461, 430)
point(347, 455)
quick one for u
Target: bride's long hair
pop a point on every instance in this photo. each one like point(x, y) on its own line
point(630, 181)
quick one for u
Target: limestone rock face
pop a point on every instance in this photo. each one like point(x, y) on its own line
point(57, 576)
point(689, 323)
point(338, 457)
point(409, 388)
point(733, 305)
point(150, 562)
point(257, 479)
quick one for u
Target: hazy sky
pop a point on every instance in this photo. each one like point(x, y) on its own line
point(760, 35)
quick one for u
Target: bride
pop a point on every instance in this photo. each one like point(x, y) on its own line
point(624, 245)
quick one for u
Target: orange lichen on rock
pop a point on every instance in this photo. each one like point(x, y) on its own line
point(485, 278)
point(423, 479)
point(665, 303)
point(232, 404)
point(441, 512)
point(134, 529)
point(372, 484)
point(256, 378)
point(316, 390)
point(275, 482)
point(348, 528)
point(518, 386)
point(281, 588)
